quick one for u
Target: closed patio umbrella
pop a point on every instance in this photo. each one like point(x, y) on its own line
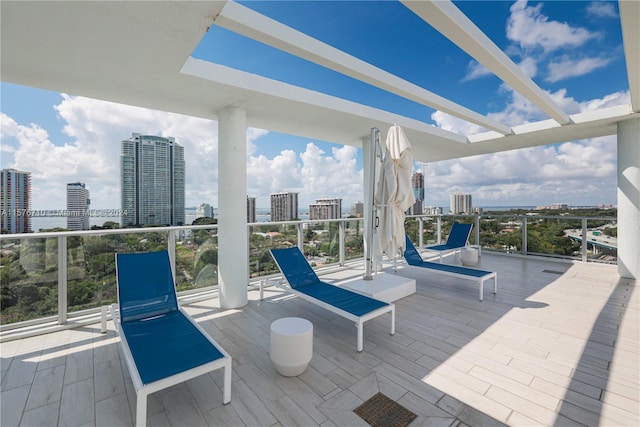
point(394, 194)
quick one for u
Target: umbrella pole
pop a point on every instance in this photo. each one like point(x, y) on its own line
point(369, 151)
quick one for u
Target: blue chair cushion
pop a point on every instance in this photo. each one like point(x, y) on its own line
point(341, 298)
point(412, 257)
point(145, 285)
point(295, 267)
point(166, 345)
point(458, 236)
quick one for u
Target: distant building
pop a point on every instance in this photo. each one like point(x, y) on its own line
point(251, 209)
point(357, 209)
point(284, 206)
point(15, 201)
point(152, 179)
point(204, 210)
point(417, 184)
point(433, 210)
point(558, 206)
point(326, 209)
point(460, 204)
point(416, 208)
point(78, 202)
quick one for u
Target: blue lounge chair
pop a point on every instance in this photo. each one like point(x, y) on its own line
point(162, 345)
point(457, 239)
point(304, 283)
point(414, 259)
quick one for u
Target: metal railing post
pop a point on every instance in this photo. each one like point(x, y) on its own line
point(300, 237)
point(524, 234)
point(439, 230)
point(584, 241)
point(171, 248)
point(341, 233)
point(477, 233)
point(421, 231)
point(62, 280)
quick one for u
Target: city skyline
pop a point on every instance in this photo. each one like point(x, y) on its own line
point(65, 138)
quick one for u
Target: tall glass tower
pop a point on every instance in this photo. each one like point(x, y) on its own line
point(152, 180)
point(15, 201)
point(77, 204)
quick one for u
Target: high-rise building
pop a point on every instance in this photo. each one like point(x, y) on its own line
point(433, 210)
point(417, 184)
point(326, 209)
point(357, 209)
point(152, 179)
point(15, 201)
point(78, 202)
point(251, 209)
point(284, 206)
point(204, 210)
point(460, 203)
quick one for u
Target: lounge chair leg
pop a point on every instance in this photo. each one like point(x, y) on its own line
point(360, 337)
point(227, 384)
point(141, 409)
point(393, 320)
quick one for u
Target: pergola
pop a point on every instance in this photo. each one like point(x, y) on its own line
point(139, 53)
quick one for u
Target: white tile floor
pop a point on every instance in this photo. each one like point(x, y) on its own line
point(558, 345)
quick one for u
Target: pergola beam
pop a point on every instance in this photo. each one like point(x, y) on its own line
point(244, 21)
point(630, 21)
point(446, 18)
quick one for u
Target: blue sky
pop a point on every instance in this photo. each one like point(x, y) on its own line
point(571, 49)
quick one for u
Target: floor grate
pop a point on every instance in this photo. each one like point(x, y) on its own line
point(381, 411)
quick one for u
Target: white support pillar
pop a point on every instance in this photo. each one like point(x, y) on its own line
point(629, 198)
point(233, 239)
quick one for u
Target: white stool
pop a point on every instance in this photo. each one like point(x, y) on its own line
point(469, 256)
point(291, 345)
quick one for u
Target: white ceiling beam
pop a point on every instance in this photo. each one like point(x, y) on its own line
point(630, 21)
point(244, 21)
point(445, 17)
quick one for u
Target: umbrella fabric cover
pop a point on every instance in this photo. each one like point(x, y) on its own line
point(394, 194)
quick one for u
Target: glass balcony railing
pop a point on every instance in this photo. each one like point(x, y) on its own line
point(63, 277)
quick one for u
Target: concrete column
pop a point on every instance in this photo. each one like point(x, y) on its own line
point(233, 239)
point(629, 198)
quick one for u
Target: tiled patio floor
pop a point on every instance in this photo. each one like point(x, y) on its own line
point(558, 345)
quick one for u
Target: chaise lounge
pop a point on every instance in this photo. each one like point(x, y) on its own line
point(414, 259)
point(162, 345)
point(457, 239)
point(304, 283)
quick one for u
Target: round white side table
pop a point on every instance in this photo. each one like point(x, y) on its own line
point(469, 256)
point(291, 345)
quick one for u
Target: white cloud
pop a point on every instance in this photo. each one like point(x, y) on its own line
point(566, 67)
point(576, 172)
point(530, 66)
point(313, 173)
point(455, 124)
point(530, 29)
point(91, 155)
point(602, 10)
point(475, 70)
